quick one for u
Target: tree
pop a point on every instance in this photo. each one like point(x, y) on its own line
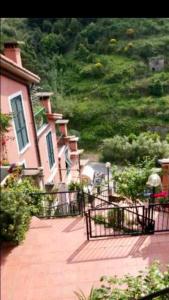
point(131, 181)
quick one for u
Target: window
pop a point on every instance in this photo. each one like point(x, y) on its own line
point(19, 121)
point(50, 149)
point(68, 161)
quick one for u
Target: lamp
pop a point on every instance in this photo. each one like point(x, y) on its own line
point(108, 165)
point(154, 180)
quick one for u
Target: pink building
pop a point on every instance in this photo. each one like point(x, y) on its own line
point(40, 140)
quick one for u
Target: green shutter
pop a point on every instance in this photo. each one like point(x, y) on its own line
point(50, 149)
point(19, 121)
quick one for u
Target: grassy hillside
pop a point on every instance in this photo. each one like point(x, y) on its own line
point(98, 69)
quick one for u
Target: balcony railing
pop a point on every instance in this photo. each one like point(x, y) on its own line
point(40, 119)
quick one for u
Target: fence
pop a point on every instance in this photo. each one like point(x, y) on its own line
point(59, 204)
point(118, 221)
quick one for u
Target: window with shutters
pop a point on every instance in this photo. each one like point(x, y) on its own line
point(50, 149)
point(67, 161)
point(19, 121)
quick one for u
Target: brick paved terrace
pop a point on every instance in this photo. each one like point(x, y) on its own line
point(55, 260)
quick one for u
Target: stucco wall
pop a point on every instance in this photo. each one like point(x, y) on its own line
point(49, 174)
point(10, 87)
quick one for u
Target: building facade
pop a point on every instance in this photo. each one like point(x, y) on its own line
point(39, 140)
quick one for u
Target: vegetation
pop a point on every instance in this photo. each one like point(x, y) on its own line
point(134, 149)
point(98, 70)
point(15, 216)
point(130, 287)
point(131, 181)
point(4, 127)
point(17, 206)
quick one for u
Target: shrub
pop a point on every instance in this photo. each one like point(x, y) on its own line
point(130, 287)
point(75, 186)
point(113, 41)
point(130, 32)
point(123, 149)
point(131, 181)
point(15, 216)
point(26, 187)
point(156, 88)
point(93, 70)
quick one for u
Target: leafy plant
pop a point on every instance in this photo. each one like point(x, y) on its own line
point(76, 186)
point(134, 149)
point(15, 215)
point(131, 181)
point(130, 287)
point(26, 187)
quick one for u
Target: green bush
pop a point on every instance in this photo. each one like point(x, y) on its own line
point(123, 149)
point(26, 187)
point(15, 216)
point(130, 287)
point(92, 70)
point(131, 181)
point(75, 186)
point(156, 88)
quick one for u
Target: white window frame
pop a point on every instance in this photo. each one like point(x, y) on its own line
point(10, 98)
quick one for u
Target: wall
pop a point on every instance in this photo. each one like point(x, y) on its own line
point(9, 87)
point(165, 177)
point(49, 174)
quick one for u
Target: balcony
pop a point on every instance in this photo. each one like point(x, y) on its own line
point(40, 119)
point(60, 136)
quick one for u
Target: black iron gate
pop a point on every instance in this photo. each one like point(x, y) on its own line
point(118, 221)
point(131, 220)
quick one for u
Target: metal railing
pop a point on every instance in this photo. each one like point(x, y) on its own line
point(55, 204)
point(162, 295)
point(40, 119)
point(118, 221)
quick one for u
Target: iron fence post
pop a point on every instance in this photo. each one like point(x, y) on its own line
point(87, 226)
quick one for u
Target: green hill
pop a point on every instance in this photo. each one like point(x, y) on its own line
point(99, 71)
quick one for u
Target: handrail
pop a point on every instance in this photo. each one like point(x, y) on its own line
point(60, 205)
point(39, 111)
point(40, 114)
point(53, 193)
point(155, 294)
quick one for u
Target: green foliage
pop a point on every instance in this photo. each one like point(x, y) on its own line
point(26, 187)
point(4, 123)
point(130, 32)
point(15, 215)
point(131, 181)
point(133, 149)
point(130, 287)
point(99, 219)
point(156, 88)
point(94, 70)
point(102, 62)
point(17, 207)
point(75, 186)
